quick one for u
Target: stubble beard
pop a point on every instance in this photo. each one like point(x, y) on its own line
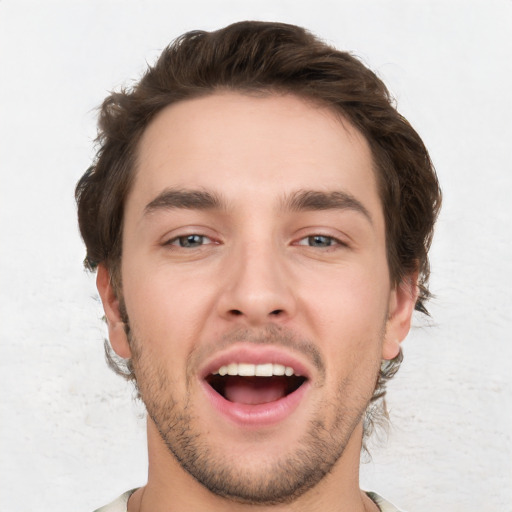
point(280, 481)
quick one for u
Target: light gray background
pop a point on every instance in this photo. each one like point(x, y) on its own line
point(71, 437)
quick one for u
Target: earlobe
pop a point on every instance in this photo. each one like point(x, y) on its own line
point(116, 327)
point(401, 307)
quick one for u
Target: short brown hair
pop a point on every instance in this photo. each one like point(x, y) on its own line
point(269, 57)
point(266, 58)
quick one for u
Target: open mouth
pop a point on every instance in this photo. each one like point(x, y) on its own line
point(254, 384)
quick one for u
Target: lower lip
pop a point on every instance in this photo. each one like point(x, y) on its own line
point(260, 415)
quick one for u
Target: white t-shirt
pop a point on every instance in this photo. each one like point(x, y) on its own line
point(120, 505)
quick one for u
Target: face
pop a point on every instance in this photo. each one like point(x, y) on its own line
point(255, 280)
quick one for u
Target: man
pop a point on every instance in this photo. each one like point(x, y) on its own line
point(259, 216)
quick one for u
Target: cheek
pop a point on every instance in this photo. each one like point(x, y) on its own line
point(352, 298)
point(348, 313)
point(165, 314)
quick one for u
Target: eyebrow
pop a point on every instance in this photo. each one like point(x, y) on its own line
point(313, 200)
point(302, 200)
point(184, 199)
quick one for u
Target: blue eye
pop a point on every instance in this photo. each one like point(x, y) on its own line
point(319, 241)
point(190, 241)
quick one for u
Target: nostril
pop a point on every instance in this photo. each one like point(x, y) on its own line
point(237, 312)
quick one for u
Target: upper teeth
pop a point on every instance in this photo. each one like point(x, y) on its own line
point(255, 370)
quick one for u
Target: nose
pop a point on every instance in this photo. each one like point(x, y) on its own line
point(257, 288)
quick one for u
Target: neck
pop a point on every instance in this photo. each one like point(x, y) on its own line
point(171, 488)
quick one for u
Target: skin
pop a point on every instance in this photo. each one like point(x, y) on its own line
point(256, 277)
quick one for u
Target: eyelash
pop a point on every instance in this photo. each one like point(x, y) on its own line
point(186, 241)
point(181, 241)
point(330, 241)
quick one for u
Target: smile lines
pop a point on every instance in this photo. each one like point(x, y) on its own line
point(255, 370)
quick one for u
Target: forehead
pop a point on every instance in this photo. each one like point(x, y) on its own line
point(243, 146)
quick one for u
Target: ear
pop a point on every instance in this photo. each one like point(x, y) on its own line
point(116, 331)
point(401, 307)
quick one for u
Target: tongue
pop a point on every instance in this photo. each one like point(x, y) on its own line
point(254, 390)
